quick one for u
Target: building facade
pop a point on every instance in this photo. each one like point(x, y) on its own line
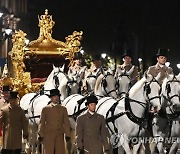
point(13, 13)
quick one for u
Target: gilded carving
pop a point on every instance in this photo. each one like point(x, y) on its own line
point(44, 45)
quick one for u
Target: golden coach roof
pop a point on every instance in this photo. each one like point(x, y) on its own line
point(45, 44)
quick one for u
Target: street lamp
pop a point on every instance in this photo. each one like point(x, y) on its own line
point(167, 64)
point(140, 60)
point(1, 14)
point(82, 52)
point(103, 55)
point(178, 66)
point(140, 67)
point(26, 41)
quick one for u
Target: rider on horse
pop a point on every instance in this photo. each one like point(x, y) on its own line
point(127, 65)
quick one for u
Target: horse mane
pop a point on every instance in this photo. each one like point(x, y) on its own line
point(138, 85)
point(98, 81)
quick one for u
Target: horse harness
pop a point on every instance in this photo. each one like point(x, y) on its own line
point(38, 94)
point(173, 115)
point(142, 122)
point(117, 84)
point(77, 109)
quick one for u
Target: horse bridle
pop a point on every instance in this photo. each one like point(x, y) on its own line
point(104, 84)
point(128, 110)
point(117, 83)
point(56, 79)
point(148, 91)
point(173, 114)
point(168, 90)
point(70, 82)
point(88, 77)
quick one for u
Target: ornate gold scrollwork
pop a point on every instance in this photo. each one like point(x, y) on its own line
point(44, 45)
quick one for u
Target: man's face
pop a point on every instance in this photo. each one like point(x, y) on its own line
point(161, 60)
point(77, 61)
point(92, 107)
point(55, 99)
point(127, 60)
point(13, 101)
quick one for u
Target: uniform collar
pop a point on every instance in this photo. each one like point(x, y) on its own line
point(90, 115)
point(54, 105)
point(159, 67)
point(126, 65)
point(91, 112)
point(10, 107)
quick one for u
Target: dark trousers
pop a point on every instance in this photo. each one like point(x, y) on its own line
point(6, 151)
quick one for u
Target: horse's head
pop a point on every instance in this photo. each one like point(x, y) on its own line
point(90, 80)
point(171, 93)
point(74, 84)
point(57, 80)
point(123, 83)
point(152, 90)
point(105, 85)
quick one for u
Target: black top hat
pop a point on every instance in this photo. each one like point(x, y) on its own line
point(13, 95)
point(5, 88)
point(91, 99)
point(77, 55)
point(162, 52)
point(128, 53)
point(96, 57)
point(54, 92)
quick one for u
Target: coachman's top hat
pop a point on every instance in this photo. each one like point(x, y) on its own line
point(91, 99)
point(54, 92)
point(96, 57)
point(162, 52)
point(77, 55)
point(5, 88)
point(128, 53)
point(13, 95)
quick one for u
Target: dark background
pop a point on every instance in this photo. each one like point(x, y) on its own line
point(112, 26)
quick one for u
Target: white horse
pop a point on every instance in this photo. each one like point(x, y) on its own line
point(90, 81)
point(166, 124)
point(123, 83)
point(33, 103)
point(105, 85)
point(127, 117)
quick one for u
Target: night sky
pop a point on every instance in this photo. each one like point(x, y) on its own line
point(141, 25)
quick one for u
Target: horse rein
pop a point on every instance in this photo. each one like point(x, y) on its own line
point(173, 115)
point(104, 83)
point(117, 83)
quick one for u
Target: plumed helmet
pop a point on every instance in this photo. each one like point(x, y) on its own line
point(91, 99)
